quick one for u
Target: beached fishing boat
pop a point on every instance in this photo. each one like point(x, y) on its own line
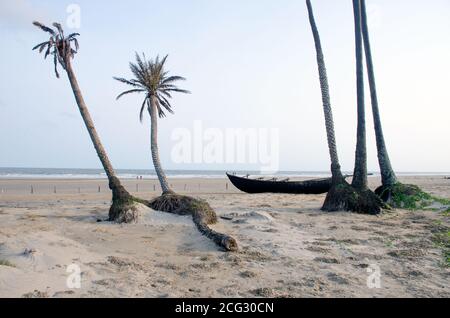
point(249, 185)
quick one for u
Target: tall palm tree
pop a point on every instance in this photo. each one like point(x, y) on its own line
point(388, 176)
point(152, 80)
point(329, 122)
point(391, 190)
point(341, 196)
point(63, 49)
point(360, 172)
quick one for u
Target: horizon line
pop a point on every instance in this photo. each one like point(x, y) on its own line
point(217, 170)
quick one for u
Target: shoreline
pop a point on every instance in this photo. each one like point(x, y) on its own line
point(150, 187)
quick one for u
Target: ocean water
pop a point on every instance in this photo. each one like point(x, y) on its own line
point(55, 173)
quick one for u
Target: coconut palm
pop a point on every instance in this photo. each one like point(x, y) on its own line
point(154, 82)
point(63, 49)
point(391, 190)
point(329, 122)
point(360, 172)
point(341, 196)
point(387, 173)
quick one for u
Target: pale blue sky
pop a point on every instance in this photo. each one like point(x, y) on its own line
point(249, 63)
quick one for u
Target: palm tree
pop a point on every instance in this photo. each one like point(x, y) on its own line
point(63, 49)
point(360, 172)
point(152, 80)
point(329, 122)
point(387, 173)
point(391, 190)
point(341, 196)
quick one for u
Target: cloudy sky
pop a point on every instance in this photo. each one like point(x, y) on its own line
point(249, 64)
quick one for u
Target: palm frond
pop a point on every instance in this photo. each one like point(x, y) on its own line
point(125, 81)
point(165, 104)
point(161, 64)
point(58, 45)
point(162, 91)
point(140, 62)
point(161, 113)
point(73, 35)
point(178, 90)
point(55, 62)
point(44, 28)
point(141, 113)
point(165, 100)
point(138, 73)
point(59, 28)
point(75, 41)
point(129, 92)
point(172, 79)
point(40, 45)
point(151, 77)
point(47, 53)
point(41, 49)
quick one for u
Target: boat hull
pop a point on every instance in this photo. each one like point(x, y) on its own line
point(317, 186)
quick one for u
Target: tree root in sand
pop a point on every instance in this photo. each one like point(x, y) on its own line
point(202, 215)
point(404, 196)
point(343, 197)
point(123, 208)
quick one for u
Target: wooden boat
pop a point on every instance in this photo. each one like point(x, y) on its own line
point(245, 184)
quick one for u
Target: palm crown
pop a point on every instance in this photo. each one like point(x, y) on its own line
point(152, 79)
point(58, 45)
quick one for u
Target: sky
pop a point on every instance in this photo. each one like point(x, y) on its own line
point(248, 63)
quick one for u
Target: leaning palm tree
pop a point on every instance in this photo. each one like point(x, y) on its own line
point(63, 49)
point(391, 190)
point(152, 80)
point(341, 196)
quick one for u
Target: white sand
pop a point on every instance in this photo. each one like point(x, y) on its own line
point(288, 247)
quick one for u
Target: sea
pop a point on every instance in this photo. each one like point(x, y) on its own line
point(73, 173)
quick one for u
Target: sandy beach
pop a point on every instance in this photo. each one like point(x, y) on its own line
point(288, 247)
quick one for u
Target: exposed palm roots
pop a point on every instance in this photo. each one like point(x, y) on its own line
point(202, 215)
point(403, 196)
point(123, 208)
point(343, 197)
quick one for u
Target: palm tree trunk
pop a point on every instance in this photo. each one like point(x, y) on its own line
point(342, 196)
point(329, 122)
point(154, 147)
point(388, 176)
point(120, 207)
point(360, 172)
